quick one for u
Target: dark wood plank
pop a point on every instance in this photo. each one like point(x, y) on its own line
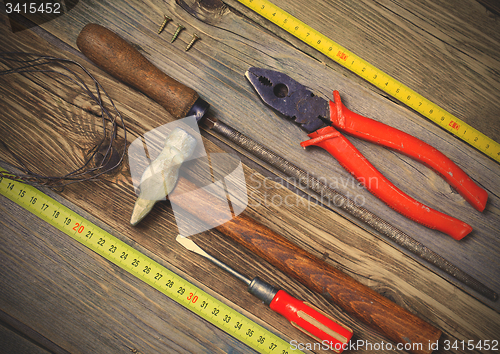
point(214, 67)
point(21, 333)
point(445, 51)
point(16, 342)
point(80, 301)
point(78, 145)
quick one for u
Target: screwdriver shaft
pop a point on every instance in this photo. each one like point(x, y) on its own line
point(193, 247)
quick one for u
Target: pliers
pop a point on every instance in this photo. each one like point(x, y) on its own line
point(321, 119)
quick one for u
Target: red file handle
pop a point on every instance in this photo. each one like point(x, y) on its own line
point(368, 129)
point(353, 161)
point(312, 321)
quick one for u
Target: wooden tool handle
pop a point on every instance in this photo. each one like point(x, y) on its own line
point(118, 58)
point(381, 314)
point(378, 312)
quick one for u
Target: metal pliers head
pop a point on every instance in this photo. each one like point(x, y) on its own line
point(290, 98)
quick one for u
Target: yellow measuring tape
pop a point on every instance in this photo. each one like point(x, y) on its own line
point(143, 267)
point(375, 76)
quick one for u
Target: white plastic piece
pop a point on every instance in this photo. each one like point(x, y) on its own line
point(160, 177)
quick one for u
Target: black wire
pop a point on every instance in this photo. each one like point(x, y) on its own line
point(35, 63)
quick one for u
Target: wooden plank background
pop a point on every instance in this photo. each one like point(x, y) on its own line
point(447, 51)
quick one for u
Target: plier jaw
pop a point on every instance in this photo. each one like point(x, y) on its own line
point(296, 101)
point(290, 98)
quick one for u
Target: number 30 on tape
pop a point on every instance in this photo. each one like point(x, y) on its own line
point(143, 267)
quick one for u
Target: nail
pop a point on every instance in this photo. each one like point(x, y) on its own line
point(195, 38)
point(165, 21)
point(177, 31)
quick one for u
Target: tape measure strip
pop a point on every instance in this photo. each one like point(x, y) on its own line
point(375, 76)
point(143, 267)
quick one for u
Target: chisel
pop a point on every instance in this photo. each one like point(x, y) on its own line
point(121, 60)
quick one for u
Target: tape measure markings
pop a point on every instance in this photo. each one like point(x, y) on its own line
point(375, 76)
point(143, 267)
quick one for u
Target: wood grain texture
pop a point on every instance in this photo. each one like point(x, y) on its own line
point(87, 305)
point(446, 51)
point(216, 73)
point(16, 342)
point(214, 67)
point(221, 83)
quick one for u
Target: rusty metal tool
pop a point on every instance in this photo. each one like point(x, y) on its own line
point(303, 316)
point(324, 120)
point(121, 60)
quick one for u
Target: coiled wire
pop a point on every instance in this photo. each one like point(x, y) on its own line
point(29, 63)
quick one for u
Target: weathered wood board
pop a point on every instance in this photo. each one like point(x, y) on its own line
point(217, 74)
point(84, 304)
point(231, 42)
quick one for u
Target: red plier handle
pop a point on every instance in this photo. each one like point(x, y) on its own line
point(353, 161)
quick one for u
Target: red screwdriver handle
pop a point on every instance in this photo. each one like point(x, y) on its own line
point(312, 321)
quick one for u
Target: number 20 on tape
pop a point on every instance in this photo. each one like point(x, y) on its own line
point(143, 267)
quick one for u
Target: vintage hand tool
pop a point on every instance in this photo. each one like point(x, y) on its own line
point(304, 316)
point(144, 268)
point(121, 60)
point(100, 44)
point(318, 117)
point(378, 312)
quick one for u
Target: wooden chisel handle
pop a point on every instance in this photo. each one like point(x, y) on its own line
point(121, 60)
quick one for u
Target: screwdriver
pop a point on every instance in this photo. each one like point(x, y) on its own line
point(303, 316)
